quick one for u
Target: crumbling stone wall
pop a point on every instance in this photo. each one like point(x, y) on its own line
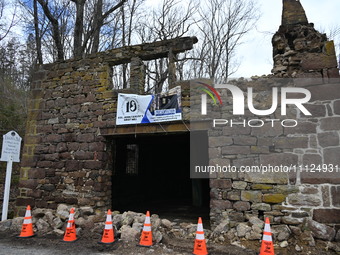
point(298, 200)
point(299, 50)
point(290, 199)
point(65, 158)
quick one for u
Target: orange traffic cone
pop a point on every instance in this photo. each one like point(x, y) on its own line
point(27, 226)
point(108, 235)
point(146, 237)
point(267, 247)
point(200, 247)
point(70, 233)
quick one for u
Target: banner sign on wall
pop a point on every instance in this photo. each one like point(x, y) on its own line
point(137, 109)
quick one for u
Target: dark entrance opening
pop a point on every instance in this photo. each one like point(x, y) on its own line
point(152, 172)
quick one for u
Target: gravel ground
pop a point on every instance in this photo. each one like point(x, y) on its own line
point(53, 245)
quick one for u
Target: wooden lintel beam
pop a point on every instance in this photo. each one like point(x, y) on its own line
point(155, 128)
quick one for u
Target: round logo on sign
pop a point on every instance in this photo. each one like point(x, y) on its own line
point(130, 106)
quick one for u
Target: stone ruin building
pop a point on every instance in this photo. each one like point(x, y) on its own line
point(75, 154)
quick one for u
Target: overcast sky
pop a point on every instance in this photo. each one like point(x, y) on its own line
point(256, 52)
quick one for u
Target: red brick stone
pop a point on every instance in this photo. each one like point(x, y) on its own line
point(28, 161)
point(318, 61)
point(328, 139)
point(48, 187)
point(277, 159)
point(290, 142)
point(337, 107)
point(302, 128)
point(72, 165)
point(330, 123)
point(309, 159)
point(35, 193)
point(325, 92)
point(320, 177)
point(316, 110)
point(327, 215)
point(52, 206)
point(235, 150)
point(36, 173)
point(96, 146)
point(83, 155)
point(50, 172)
point(92, 164)
point(51, 157)
point(41, 203)
point(86, 138)
point(220, 141)
point(268, 130)
point(335, 192)
point(70, 137)
point(333, 73)
point(29, 184)
point(53, 138)
point(241, 206)
point(25, 201)
point(44, 164)
point(54, 180)
point(331, 156)
point(221, 183)
point(221, 204)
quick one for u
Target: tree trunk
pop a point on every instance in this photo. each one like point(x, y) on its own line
point(78, 47)
point(37, 33)
point(97, 24)
point(55, 30)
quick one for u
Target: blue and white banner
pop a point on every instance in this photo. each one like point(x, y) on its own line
point(137, 109)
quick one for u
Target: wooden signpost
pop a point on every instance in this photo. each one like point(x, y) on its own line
point(10, 153)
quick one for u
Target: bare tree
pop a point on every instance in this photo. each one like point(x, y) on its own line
point(172, 19)
point(334, 34)
point(72, 27)
point(222, 25)
point(56, 33)
point(5, 27)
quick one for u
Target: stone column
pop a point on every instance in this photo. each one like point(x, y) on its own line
point(137, 75)
point(172, 69)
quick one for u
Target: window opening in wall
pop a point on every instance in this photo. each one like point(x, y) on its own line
point(132, 159)
point(156, 75)
point(121, 76)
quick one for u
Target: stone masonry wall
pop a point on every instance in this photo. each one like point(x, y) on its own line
point(290, 199)
point(65, 158)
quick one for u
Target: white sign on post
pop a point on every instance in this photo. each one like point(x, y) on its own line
point(11, 153)
point(11, 147)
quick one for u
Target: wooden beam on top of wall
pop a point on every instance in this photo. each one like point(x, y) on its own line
point(155, 128)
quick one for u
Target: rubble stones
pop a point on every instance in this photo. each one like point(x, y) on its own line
point(256, 222)
point(5, 225)
point(337, 237)
point(281, 232)
point(63, 211)
point(320, 231)
point(242, 229)
point(128, 233)
point(222, 228)
point(166, 223)
point(261, 207)
point(241, 206)
point(42, 227)
point(17, 224)
point(284, 244)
